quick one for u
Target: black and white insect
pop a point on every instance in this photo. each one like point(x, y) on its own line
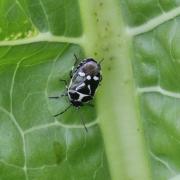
point(84, 80)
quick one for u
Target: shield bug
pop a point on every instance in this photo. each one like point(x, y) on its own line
point(84, 80)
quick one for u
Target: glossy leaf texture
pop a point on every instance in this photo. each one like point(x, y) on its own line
point(133, 129)
point(155, 59)
point(34, 144)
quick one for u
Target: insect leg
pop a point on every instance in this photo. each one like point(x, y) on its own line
point(101, 61)
point(82, 121)
point(63, 111)
point(75, 59)
point(65, 82)
point(57, 97)
point(71, 73)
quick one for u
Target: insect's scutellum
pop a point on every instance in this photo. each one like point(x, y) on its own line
point(85, 78)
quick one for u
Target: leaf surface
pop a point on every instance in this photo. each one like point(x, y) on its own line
point(133, 130)
point(34, 144)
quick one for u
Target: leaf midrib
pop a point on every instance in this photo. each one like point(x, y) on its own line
point(118, 107)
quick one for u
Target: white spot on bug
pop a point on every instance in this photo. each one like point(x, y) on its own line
point(81, 96)
point(88, 77)
point(81, 85)
point(89, 87)
point(95, 78)
point(82, 74)
point(70, 91)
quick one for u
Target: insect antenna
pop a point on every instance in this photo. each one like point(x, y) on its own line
point(63, 111)
point(82, 121)
point(101, 61)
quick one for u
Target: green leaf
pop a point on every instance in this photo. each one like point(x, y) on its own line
point(34, 144)
point(133, 130)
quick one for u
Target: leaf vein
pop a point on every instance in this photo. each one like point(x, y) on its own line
point(158, 89)
point(153, 23)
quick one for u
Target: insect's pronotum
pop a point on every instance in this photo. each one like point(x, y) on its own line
point(84, 80)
